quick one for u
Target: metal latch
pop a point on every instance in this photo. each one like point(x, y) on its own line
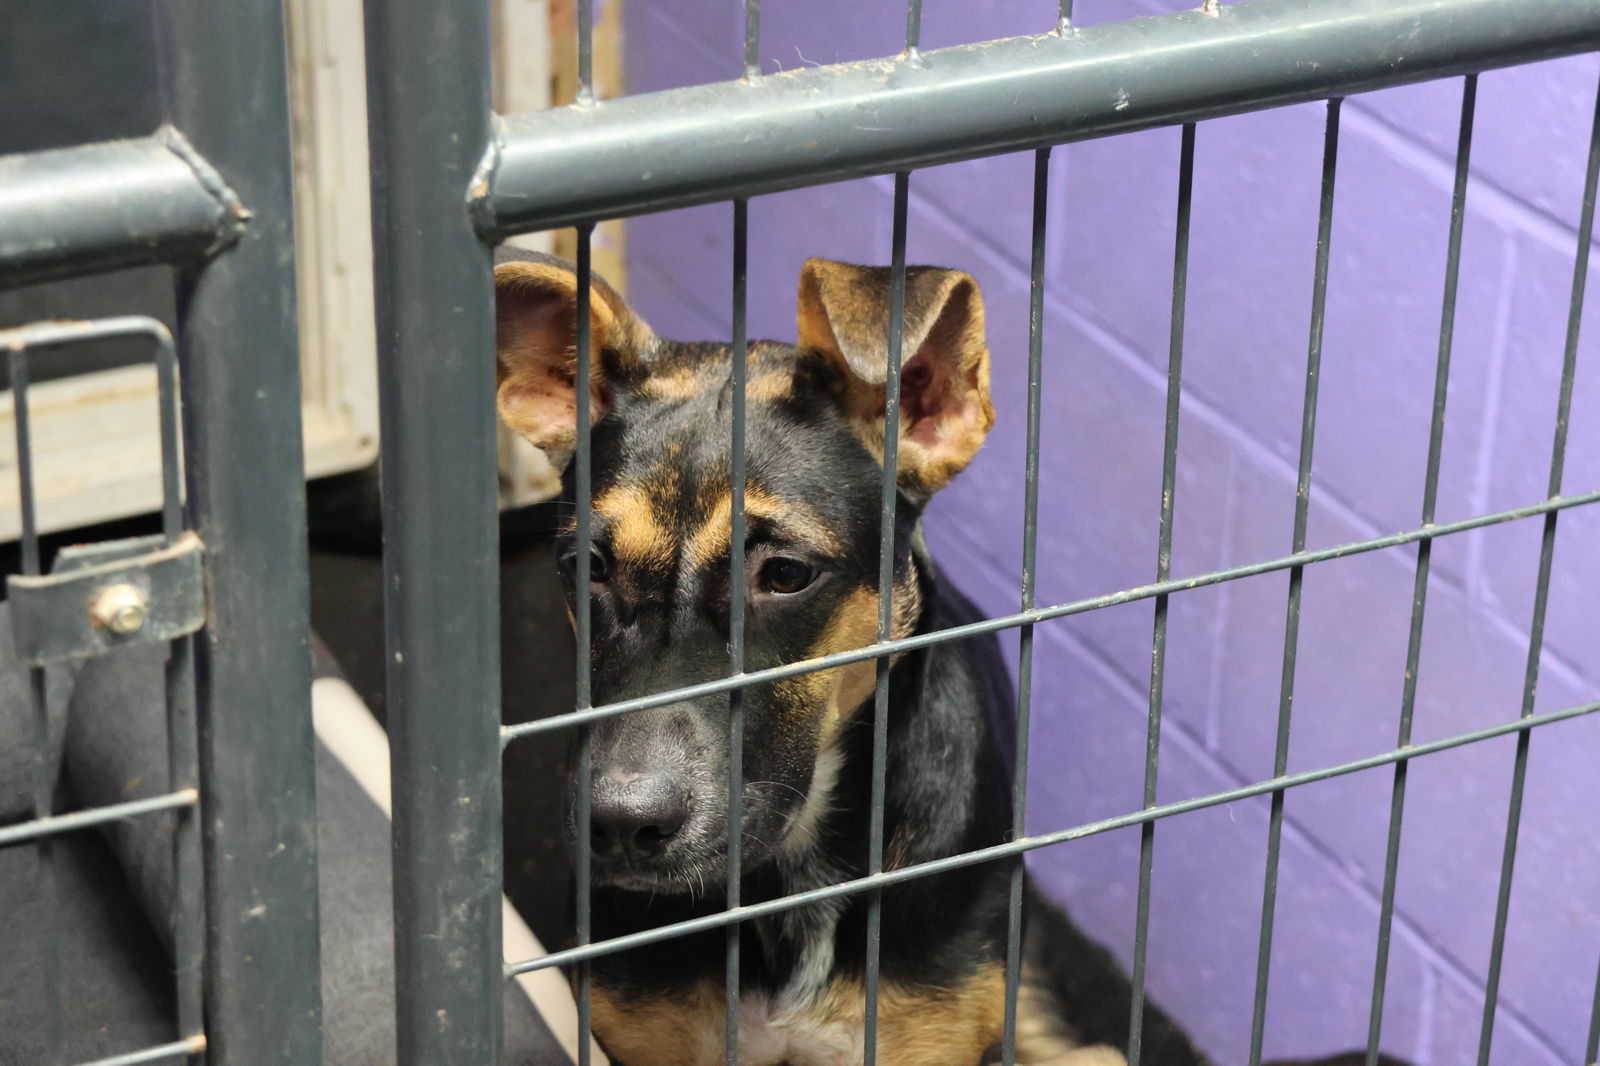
point(100, 597)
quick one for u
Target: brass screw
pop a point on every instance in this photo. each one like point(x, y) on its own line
point(120, 609)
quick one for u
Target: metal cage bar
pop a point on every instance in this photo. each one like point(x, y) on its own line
point(1030, 555)
point(43, 776)
point(183, 756)
point(98, 207)
point(430, 127)
point(1541, 599)
point(1419, 592)
point(585, 93)
point(191, 1048)
point(708, 143)
point(1592, 1052)
point(752, 40)
point(241, 401)
point(736, 604)
point(55, 824)
point(1291, 627)
point(889, 502)
point(583, 618)
point(1158, 643)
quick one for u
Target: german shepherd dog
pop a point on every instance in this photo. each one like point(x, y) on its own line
point(659, 586)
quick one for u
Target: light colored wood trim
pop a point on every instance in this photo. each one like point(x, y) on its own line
point(333, 229)
point(96, 448)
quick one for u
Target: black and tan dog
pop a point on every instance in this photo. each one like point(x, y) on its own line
point(660, 590)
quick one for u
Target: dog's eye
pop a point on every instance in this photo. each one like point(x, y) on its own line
point(786, 576)
point(599, 568)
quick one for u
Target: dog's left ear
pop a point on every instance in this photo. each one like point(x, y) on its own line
point(945, 411)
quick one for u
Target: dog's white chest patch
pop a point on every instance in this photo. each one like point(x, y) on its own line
point(770, 1034)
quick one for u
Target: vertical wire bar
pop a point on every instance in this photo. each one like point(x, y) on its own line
point(1580, 277)
point(886, 554)
point(171, 472)
point(582, 616)
point(44, 848)
point(736, 600)
point(1291, 631)
point(1158, 644)
point(17, 360)
point(913, 28)
point(1030, 552)
point(1064, 18)
point(188, 919)
point(1419, 591)
point(752, 40)
point(585, 93)
point(1592, 1052)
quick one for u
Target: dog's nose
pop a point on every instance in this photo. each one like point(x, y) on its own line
point(635, 814)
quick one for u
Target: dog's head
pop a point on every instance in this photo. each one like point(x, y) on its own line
point(660, 585)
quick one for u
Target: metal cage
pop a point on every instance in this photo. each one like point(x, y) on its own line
point(451, 180)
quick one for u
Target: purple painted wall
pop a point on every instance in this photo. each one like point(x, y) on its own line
point(1109, 270)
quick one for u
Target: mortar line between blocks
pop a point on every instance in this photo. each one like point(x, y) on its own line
point(1489, 428)
point(1439, 167)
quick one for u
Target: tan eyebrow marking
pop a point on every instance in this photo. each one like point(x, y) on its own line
point(636, 532)
point(710, 541)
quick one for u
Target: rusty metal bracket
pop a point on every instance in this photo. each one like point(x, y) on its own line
point(100, 597)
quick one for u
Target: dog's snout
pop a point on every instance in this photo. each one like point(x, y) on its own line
point(635, 815)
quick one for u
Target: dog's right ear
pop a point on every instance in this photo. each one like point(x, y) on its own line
point(536, 355)
point(944, 372)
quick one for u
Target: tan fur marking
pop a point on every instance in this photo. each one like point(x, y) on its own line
point(636, 535)
point(683, 1029)
point(1041, 1036)
point(897, 853)
point(918, 1025)
point(770, 387)
point(708, 545)
point(680, 383)
point(921, 1025)
point(854, 625)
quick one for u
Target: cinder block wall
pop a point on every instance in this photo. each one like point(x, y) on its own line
point(1112, 210)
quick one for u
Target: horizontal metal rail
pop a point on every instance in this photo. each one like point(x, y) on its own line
point(99, 207)
point(1042, 840)
point(1041, 614)
point(663, 150)
point(194, 1045)
point(54, 824)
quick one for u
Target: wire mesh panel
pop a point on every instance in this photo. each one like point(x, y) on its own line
point(768, 133)
point(122, 610)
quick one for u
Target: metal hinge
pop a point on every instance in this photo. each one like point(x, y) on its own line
point(116, 594)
